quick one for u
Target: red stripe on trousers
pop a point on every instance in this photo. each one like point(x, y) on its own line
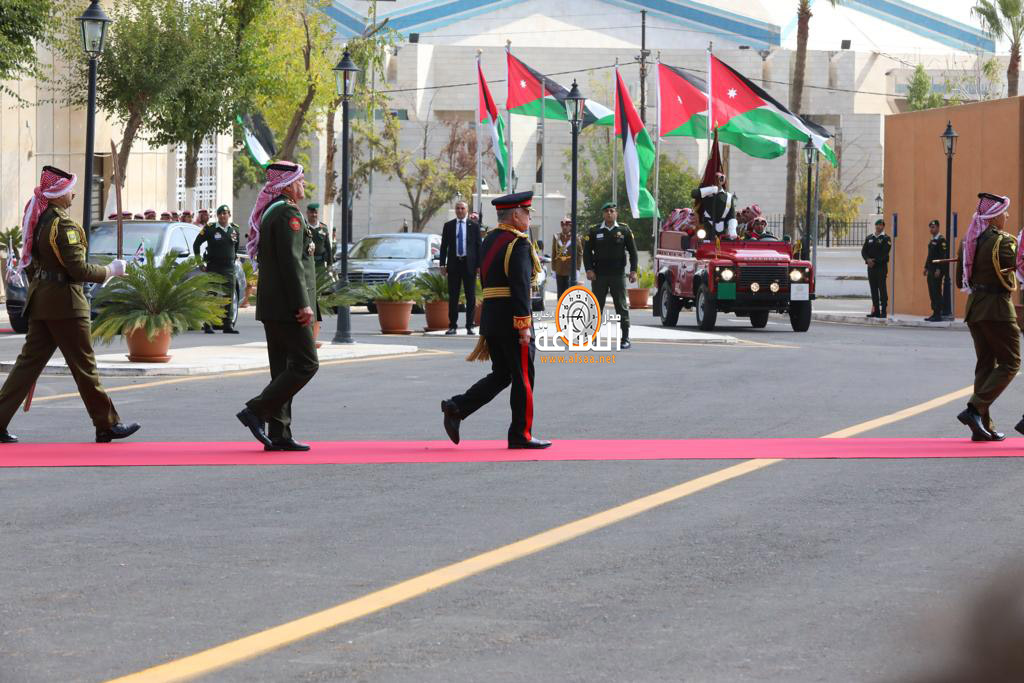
point(525, 368)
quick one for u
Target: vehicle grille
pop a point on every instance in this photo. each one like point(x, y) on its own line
point(368, 278)
point(764, 276)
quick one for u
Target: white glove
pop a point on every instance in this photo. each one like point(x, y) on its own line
point(116, 268)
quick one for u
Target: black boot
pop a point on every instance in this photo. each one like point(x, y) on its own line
point(624, 342)
point(251, 420)
point(118, 431)
point(532, 444)
point(288, 444)
point(7, 437)
point(991, 427)
point(208, 328)
point(976, 423)
point(452, 419)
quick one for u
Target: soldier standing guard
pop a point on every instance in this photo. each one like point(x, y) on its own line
point(717, 208)
point(936, 273)
point(56, 307)
point(508, 265)
point(221, 239)
point(984, 269)
point(875, 253)
point(323, 252)
point(604, 257)
point(561, 255)
point(282, 245)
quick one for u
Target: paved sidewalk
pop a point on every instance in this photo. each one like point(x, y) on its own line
point(208, 360)
point(892, 321)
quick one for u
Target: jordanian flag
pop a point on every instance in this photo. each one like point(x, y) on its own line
point(488, 116)
point(637, 152)
point(258, 138)
point(527, 96)
point(683, 112)
point(740, 106)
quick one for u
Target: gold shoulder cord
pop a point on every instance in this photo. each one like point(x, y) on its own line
point(998, 267)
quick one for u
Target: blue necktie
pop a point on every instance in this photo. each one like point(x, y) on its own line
point(460, 241)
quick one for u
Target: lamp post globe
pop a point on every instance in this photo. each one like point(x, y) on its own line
point(575, 103)
point(344, 83)
point(93, 22)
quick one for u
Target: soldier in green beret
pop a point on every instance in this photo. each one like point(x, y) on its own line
point(221, 239)
point(323, 254)
point(604, 256)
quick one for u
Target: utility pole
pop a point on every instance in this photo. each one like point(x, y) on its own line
point(644, 54)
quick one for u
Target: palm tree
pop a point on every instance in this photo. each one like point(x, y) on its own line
point(1004, 19)
point(796, 95)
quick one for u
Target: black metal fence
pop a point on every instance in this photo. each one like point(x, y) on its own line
point(831, 232)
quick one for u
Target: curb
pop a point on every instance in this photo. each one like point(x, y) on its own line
point(859, 319)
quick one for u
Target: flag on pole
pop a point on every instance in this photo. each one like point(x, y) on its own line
point(488, 117)
point(258, 138)
point(637, 152)
point(740, 106)
point(525, 93)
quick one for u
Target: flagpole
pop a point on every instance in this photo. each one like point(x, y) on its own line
point(543, 146)
point(710, 108)
point(657, 157)
point(615, 141)
point(479, 152)
point(508, 140)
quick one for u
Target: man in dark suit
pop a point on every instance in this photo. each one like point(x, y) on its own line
point(460, 261)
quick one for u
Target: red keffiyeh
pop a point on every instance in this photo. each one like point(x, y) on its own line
point(989, 206)
point(279, 176)
point(52, 184)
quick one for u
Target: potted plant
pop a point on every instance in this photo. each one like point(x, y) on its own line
point(434, 289)
point(152, 302)
point(251, 280)
point(394, 302)
point(639, 295)
point(325, 299)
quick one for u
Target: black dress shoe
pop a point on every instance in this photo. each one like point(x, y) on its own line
point(972, 418)
point(1020, 426)
point(471, 332)
point(230, 330)
point(7, 437)
point(995, 436)
point(118, 431)
point(452, 418)
point(528, 445)
point(208, 330)
point(452, 330)
point(286, 445)
point(255, 425)
point(625, 344)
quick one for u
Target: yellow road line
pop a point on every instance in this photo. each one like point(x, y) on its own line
point(241, 373)
point(237, 651)
point(248, 647)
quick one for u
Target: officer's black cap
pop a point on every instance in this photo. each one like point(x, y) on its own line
point(514, 200)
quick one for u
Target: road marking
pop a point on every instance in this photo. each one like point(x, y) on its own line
point(241, 373)
point(739, 343)
point(245, 648)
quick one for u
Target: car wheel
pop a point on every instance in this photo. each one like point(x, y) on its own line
point(800, 315)
point(233, 311)
point(759, 319)
point(18, 323)
point(668, 305)
point(707, 309)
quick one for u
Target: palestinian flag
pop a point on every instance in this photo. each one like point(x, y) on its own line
point(637, 152)
point(487, 115)
point(683, 112)
point(738, 105)
point(527, 96)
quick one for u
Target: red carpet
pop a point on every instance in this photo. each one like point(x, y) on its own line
point(140, 453)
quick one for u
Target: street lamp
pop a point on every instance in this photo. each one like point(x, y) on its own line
point(878, 204)
point(574, 104)
point(948, 138)
point(344, 81)
point(810, 153)
point(94, 29)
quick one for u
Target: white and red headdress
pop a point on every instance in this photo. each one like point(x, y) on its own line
point(53, 183)
point(279, 176)
point(989, 206)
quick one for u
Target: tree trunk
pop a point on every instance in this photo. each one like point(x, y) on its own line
point(192, 163)
point(131, 129)
point(291, 138)
point(331, 179)
point(796, 91)
point(1013, 69)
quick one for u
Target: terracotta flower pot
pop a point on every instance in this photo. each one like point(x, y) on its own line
point(437, 315)
point(638, 296)
point(144, 350)
point(394, 316)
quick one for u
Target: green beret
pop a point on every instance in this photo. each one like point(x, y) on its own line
point(313, 206)
point(880, 221)
point(223, 208)
point(609, 205)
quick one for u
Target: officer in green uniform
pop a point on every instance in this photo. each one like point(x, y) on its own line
point(323, 253)
point(985, 268)
point(56, 307)
point(604, 257)
point(875, 253)
point(221, 239)
point(281, 243)
point(936, 273)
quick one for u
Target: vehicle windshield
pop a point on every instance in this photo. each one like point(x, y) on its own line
point(388, 247)
point(103, 237)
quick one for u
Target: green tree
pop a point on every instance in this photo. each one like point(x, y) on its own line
point(833, 203)
point(1004, 19)
point(920, 93)
point(23, 23)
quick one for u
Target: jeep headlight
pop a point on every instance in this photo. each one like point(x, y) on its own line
point(726, 274)
point(702, 233)
point(774, 287)
point(754, 287)
point(796, 275)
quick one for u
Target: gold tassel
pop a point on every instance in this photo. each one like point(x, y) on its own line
point(480, 352)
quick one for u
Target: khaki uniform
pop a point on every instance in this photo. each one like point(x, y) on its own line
point(287, 283)
point(561, 260)
point(604, 253)
point(58, 315)
point(990, 316)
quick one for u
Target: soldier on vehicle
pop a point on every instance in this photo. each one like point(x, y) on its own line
point(221, 239)
point(717, 207)
point(875, 253)
point(936, 273)
point(605, 247)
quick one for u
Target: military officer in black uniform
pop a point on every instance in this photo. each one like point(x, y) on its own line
point(604, 257)
point(875, 253)
point(323, 253)
point(508, 265)
point(221, 238)
point(936, 273)
point(717, 208)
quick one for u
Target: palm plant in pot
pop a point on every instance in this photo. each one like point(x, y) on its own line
point(394, 302)
point(434, 290)
point(154, 301)
point(640, 293)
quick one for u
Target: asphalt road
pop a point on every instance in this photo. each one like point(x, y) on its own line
point(800, 571)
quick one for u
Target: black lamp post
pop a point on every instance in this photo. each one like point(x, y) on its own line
point(809, 155)
point(574, 104)
point(345, 80)
point(948, 138)
point(878, 204)
point(94, 29)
